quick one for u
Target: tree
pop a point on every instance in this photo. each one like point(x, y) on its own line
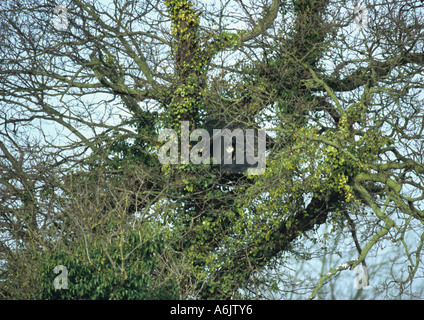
point(86, 88)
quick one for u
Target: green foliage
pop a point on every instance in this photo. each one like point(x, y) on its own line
point(123, 268)
point(126, 150)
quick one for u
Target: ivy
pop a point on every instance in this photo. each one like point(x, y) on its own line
point(123, 268)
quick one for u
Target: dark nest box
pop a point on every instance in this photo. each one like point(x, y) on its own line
point(236, 146)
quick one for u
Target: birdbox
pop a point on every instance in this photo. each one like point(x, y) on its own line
point(236, 146)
